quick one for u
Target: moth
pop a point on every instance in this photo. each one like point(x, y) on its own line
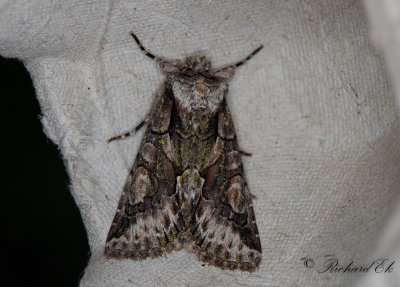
point(187, 188)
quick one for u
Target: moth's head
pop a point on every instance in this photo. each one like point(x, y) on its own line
point(197, 64)
point(195, 88)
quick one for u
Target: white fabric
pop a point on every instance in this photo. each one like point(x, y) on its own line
point(315, 108)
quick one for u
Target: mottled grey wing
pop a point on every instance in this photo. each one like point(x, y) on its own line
point(146, 220)
point(225, 233)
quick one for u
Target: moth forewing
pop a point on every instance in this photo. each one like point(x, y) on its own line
point(187, 188)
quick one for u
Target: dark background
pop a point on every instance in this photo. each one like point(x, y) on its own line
point(45, 240)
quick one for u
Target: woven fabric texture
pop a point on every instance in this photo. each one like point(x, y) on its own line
point(315, 108)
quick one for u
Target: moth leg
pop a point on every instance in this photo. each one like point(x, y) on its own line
point(245, 153)
point(156, 108)
point(130, 133)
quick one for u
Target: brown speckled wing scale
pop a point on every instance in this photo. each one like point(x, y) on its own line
point(187, 187)
point(146, 220)
point(187, 190)
point(225, 232)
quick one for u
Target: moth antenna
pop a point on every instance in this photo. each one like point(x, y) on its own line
point(238, 64)
point(147, 53)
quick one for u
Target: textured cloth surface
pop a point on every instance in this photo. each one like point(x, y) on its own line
point(315, 108)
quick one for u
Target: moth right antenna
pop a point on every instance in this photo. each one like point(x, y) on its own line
point(147, 53)
point(249, 56)
point(234, 66)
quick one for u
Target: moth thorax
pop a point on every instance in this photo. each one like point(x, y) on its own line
point(199, 97)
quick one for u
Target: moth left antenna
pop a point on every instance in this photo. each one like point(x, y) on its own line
point(147, 53)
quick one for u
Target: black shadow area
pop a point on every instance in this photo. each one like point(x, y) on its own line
point(45, 243)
